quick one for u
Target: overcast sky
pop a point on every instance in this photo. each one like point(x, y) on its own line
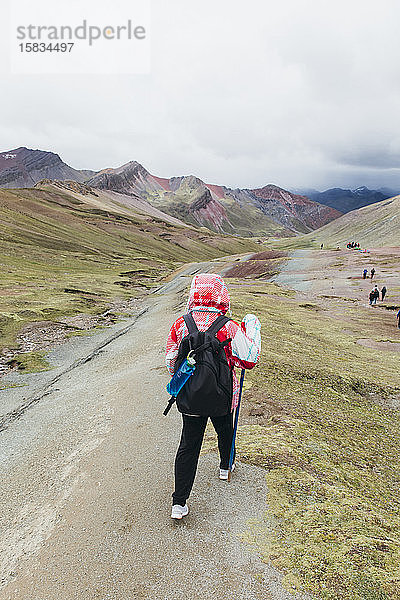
point(300, 93)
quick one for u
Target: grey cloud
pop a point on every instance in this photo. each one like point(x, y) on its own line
point(371, 158)
point(302, 93)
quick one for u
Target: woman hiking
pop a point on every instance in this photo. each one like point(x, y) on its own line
point(229, 345)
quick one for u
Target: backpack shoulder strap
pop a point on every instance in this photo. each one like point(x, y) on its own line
point(219, 322)
point(190, 323)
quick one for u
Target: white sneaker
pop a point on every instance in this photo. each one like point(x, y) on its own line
point(224, 473)
point(179, 511)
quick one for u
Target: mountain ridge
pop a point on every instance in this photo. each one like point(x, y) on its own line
point(24, 167)
point(265, 211)
point(346, 200)
point(242, 211)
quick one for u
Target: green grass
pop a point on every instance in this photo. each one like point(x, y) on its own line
point(8, 386)
point(330, 445)
point(32, 362)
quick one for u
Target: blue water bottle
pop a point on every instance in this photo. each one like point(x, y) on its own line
point(181, 376)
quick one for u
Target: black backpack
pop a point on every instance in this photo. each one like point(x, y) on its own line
point(208, 392)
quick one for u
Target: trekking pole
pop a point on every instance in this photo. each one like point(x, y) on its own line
point(232, 455)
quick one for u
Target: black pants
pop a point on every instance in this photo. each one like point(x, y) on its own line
point(189, 450)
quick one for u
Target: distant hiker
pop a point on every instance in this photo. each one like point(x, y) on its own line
point(372, 272)
point(365, 274)
point(383, 292)
point(212, 390)
point(398, 319)
point(374, 295)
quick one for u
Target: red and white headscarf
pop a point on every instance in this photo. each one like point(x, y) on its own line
point(209, 297)
point(208, 290)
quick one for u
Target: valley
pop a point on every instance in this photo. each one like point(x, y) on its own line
point(95, 268)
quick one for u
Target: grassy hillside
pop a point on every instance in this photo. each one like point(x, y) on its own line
point(319, 417)
point(62, 253)
point(373, 226)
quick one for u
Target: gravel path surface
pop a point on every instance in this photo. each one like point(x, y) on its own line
point(87, 478)
point(293, 273)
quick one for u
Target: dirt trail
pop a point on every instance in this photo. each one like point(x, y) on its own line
point(332, 281)
point(339, 272)
point(87, 479)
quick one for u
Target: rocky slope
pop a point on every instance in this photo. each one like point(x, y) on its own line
point(23, 167)
point(268, 211)
point(293, 210)
point(188, 199)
